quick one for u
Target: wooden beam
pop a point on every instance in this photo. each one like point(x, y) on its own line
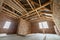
point(51, 5)
point(27, 18)
point(37, 20)
point(7, 11)
point(46, 9)
point(1, 2)
point(41, 7)
point(20, 3)
point(30, 4)
point(20, 6)
point(10, 14)
point(49, 12)
point(33, 8)
point(38, 13)
point(40, 2)
point(34, 2)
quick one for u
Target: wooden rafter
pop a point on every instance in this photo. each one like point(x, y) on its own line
point(30, 4)
point(20, 3)
point(34, 2)
point(51, 5)
point(38, 13)
point(33, 8)
point(1, 2)
point(40, 2)
point(41, 7)
point(42, 18)
point(6, 10)
point(10, 13)
point(29, 18)
point(49, 11)
point(20, 6)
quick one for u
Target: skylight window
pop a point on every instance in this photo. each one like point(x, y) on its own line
point(43, 25)
point(7, 25)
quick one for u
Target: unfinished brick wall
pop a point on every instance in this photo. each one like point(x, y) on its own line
point(24, 27)
point(56, 14)
point(14, 24)
point(35, 27)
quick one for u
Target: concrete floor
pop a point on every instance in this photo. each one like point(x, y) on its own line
point(31, 37)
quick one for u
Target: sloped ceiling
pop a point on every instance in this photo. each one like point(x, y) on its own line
point(30, 10)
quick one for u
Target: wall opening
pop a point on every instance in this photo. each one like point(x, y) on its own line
point(43, 24)
point(7, 24)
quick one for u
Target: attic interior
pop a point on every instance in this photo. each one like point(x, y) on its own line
point(29, 19)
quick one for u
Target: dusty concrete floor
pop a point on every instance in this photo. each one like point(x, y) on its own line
point(31, 37)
